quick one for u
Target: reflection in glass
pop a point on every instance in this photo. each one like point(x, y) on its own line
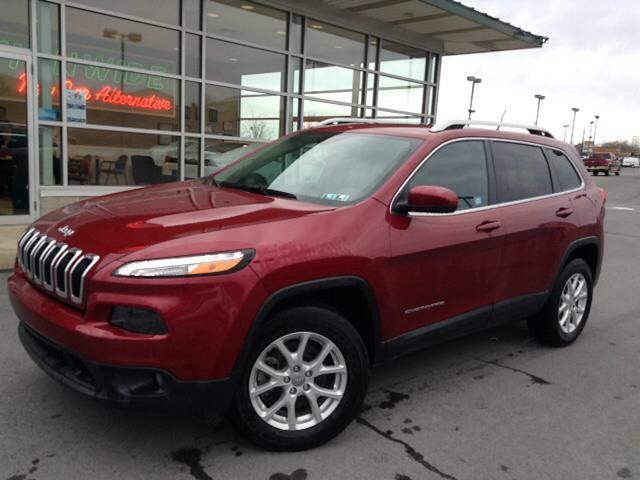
point(335, 44)
point(372, 53)
point(14, 166)
point(294, 75)
point(371, 85)
point(50, 155)
point(398, 117)
point(294, 115)
point(99, 157)
point(48, 28)
point(191, 158)
point(218, 153)
point(433, 68)
point(333, 83)
point(164, 11)
point(242, 113)
point(125, 99)
point(48, 90)
point(247, 21)
point(315, 112)
point(400, 94)
point(14, 23)
point(192, 107)
point(431, 100)
point(240, 65)
point(403, 60)
point(193, 56)
point(106, 39)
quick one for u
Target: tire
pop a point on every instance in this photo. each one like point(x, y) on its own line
point(618, 173)
point(548, 326)
point(310, 427)
point(607, 172)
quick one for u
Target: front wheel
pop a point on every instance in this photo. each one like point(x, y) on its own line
point(305, 380)
point(566, 312)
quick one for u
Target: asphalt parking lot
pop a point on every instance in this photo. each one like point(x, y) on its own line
point(495, 405)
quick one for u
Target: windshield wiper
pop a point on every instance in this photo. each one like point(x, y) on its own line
point(260, 190)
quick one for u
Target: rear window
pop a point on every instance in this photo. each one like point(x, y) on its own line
point(564, 170)
point(521, 171)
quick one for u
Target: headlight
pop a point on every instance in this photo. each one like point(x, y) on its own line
point(187, 266)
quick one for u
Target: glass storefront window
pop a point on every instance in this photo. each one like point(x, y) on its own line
point(334, 44)
point(247, 21)
point(49, 140)
point(398, 117)
point(294, 114)
point(106, 39)
point(245, 66)
point(403, 61)
point(99, 157)
point(48, 90)
point(48, 28)
point(433, 68)
point(295, 42)
point(315, 112)
point(371, 85)
point(124, 99)
point(193, 55)
point(192, 14)
point(14, 23)
point(242, 113)
point(164, 11)
point(294, 75)
point(192, 107)
point(402, 95)
point(191, 158)
point(431, 100)
point(219, 153)
point(333, 83)
point(372, 53)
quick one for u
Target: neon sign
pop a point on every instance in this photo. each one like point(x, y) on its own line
point(108, 95)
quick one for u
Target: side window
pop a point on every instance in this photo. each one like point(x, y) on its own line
point(521, 171)
point(461, 167)
point(564, 170)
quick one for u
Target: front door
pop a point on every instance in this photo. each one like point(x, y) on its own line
point(16, 140)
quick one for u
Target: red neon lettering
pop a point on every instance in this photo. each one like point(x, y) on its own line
point(108, 95)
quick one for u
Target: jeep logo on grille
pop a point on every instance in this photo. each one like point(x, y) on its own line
point(66, 231)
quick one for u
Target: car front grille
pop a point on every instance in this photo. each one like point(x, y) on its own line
point(54, 267)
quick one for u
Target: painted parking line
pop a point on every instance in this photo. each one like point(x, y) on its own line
point(626, 209)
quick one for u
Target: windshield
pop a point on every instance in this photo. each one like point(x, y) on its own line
point(327, 168)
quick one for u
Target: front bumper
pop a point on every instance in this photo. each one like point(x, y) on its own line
point(598, 168)
point(130, 387)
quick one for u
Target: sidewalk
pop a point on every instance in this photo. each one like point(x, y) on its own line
point(8, 243)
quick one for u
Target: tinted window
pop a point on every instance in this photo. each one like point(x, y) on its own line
point(567, 175)
point(461, 167)
point(521, 171)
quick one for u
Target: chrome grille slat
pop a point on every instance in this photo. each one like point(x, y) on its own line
point(54, 266)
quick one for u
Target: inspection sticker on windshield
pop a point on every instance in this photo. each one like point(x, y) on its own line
point(339, 197)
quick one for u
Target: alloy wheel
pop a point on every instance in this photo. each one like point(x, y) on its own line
point(297, 381)
point(573, 303)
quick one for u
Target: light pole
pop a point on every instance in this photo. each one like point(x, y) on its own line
point(594, 130)
point(590, 129)
point(473, 81)
point(564, 138)
point(133, 37)
point(573, 125)
point(540, 98)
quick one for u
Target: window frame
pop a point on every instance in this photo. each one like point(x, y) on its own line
point(493, 201)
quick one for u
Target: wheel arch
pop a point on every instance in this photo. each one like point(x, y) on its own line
point(351, 296)
point(589, 249)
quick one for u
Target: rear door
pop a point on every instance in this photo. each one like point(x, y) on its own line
point(539, 221)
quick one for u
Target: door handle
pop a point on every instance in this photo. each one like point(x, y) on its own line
point(564, 212)
point(488, 226)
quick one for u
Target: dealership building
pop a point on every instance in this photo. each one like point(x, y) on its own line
point(100, 96)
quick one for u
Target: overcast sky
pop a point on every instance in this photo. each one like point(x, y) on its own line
point(591, 61)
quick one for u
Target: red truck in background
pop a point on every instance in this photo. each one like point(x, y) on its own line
point(605, 162)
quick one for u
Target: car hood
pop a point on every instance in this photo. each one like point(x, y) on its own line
point(115, 225)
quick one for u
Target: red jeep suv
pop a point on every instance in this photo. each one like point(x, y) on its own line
point(269, 289)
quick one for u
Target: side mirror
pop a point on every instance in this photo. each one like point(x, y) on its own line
point(430, 199)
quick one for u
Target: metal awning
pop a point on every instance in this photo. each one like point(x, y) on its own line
point(458, 29)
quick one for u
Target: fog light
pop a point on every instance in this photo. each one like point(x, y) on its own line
point(138, 320)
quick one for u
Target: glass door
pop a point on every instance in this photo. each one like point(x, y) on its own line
point(16, 145)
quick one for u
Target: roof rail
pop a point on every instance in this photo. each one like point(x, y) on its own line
point(348, 120)
point(458, 124)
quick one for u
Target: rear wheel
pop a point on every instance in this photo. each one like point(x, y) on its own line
point(564, 316)
point(607, 172)
point(305, 380)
